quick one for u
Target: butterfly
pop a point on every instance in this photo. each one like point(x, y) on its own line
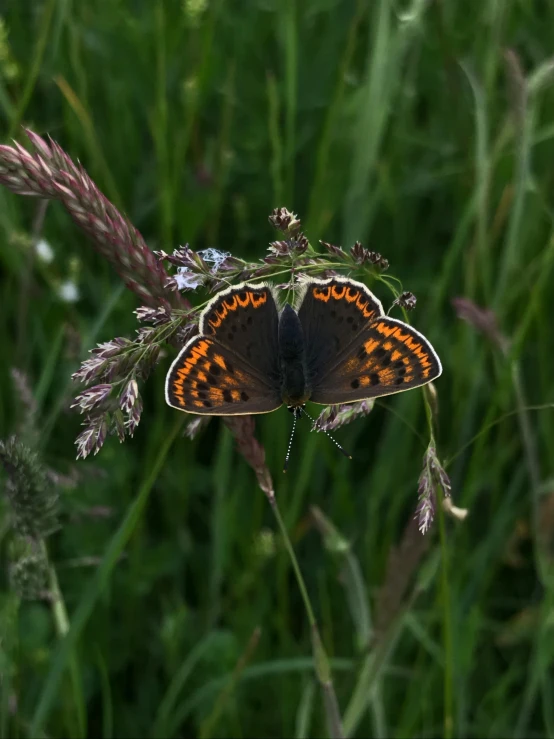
point(335, 345)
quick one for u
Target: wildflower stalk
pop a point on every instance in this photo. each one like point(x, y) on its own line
point(61, 621)
point(51, 174)
point(33, 505)
point(321, 660)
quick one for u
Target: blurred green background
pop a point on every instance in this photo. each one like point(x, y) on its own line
point(422, 128)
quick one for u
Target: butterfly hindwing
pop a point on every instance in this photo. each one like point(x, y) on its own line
point(388, 357)
point(209, 379)
point(334, 313)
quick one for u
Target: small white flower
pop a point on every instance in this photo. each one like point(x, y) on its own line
point(44, 251)
point(187, 280)
point(68, 292)
point(214, 256)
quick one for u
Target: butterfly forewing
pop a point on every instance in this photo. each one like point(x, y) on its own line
point(388, 357)
point(209, 379)
point(334, 313)
point(244, 319)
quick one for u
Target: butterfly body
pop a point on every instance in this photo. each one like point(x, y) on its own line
point(335, 345)
point(294, 385)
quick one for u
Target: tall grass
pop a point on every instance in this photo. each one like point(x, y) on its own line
point(422, 129)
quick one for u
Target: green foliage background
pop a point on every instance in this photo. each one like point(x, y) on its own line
point(406, 125)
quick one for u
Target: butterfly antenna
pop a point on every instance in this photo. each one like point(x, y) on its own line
point(285, 466)
point(318, 428)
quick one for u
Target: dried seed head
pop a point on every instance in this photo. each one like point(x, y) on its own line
point(280, 249)
point(407, 300)
point(285, 221)
point(359, 254)
point(378, 260)
point(186, 258)
point(300, 244)
point(336, 251)
point(362, 255)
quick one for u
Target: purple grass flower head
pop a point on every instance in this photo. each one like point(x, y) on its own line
point(242, 428)
point(93, 437)
point(134, 416)
point(50, 173)
point(335, 416)
point(156, 316)
point(129, 396)
point(432, 476)
point(92, 398)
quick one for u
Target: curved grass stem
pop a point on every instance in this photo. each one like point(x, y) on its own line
point(321, 660)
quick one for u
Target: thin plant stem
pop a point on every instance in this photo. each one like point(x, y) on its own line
point(445, 592)
point(447, 628)
point(61, 620)
point(321, 660)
